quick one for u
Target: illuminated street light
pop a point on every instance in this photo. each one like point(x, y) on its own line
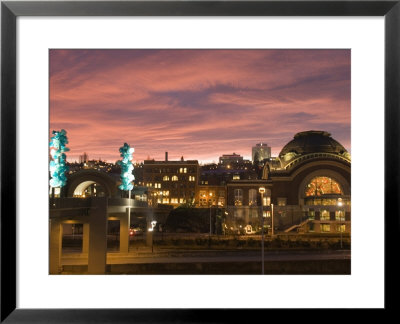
point(340, 204)
point(261, 190)
point(151, 229)
point(272, 219)
point(210, 194)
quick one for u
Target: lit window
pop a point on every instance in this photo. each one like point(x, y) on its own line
point(341, 228)
point(165, 200)
point(266, 201)
point(174, 178)
point(325, 215)
point(320, 186)
point(340, 215)
point(236, 177)
point(281, 201)
point(252, 197)
point(174, 200)
point(181, 200)
point(325, 227)
point(238, 193)
point(193, 178)
point(166, 178)
point(311, 214)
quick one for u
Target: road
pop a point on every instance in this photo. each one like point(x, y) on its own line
point(208, 256)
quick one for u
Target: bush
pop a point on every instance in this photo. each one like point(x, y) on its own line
point(189, 220)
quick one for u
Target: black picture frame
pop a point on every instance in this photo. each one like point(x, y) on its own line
point(10, 10)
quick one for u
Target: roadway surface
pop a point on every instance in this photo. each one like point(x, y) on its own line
point(207, 256)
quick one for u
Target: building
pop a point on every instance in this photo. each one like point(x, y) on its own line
point(209, 195)
point(83, 158)
point(310, 192)
point(171, 182)
point(260, 152)
point(230, 159)
point(220, 174)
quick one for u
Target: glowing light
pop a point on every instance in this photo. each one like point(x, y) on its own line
point(126, 167)
point(58, 166)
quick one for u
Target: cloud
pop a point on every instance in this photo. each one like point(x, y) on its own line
point(196, 103)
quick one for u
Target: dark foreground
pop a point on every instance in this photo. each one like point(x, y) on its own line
point(166, 262)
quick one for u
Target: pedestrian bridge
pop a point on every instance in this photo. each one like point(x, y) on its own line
point(94, 213)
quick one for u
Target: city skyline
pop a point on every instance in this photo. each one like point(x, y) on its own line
point(199, 104)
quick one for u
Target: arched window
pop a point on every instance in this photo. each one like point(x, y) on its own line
point(238, 197)
point(321, 186)
point(165, 178)
point(174, 178)
point(252, 197)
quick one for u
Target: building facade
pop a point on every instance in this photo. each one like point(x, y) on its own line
point(171, 182)
point(310, 192)
point(260, 152)
point(233, 158)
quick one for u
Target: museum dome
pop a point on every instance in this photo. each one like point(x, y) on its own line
point(311, 142)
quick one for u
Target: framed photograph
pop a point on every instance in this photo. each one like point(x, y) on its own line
point(158, 156)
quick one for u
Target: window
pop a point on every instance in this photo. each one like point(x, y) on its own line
point(165, 178)
point(157, 185)
point(193, 178)
point(238, 213)
point(266, 201)
point(340, 215)
point(311, 227)
point(238, 193)
point(165, 200)
point(281, 201)
point(174, 178)
point(325, 215)
point(236, 177)
point(174, 200)
point(311, 214)
point(325, 227)
point(253, 212)
point(341, 228)
point(252, 197)
point(320, 186)
point(181, 200)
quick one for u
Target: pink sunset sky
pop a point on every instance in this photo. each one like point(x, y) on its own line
point(198, 104)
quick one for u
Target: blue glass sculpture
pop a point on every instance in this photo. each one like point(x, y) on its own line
point(58, 165)
point(126, 167)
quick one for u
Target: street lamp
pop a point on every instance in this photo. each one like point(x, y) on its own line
point(151, 229)
point(261, 190)
point(209, 201)
point(272, 220)
point(340, 204)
